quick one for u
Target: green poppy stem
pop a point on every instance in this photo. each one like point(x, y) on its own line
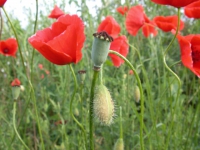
point(91, 119)
point(14, 113)
point(176, 76)
point(71, 102)
point(32, 90)
point(35, 27)
point(142, 97)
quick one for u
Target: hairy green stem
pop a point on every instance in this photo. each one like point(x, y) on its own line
point(176, 76)
point(14, 113)
point(71, 102)
point(32, 90)
point(35, 27)
point(142, 97)
point(121, 127)
point(91, 119)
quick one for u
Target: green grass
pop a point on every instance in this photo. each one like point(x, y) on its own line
point(165, 122)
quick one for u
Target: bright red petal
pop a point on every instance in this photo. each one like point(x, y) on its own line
point(135, 19)
point(2, 2)
point(110, 25)
point(16, 82)
point(119, 45)
point(122, 9)
point(193, 10)
point(149, 27)
point(56, 13)
point(168, 23)
point(174, 3)
point(61, 43)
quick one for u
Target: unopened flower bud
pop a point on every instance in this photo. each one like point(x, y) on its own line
point(136, 94)
point(103, 105)
point(82, 75)
point(119, 145)
point(100, 48)
point(15, 88)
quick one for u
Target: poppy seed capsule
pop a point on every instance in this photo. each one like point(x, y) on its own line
point(136, 93)
point(119, 145)
point(100, 48)
point(103, 105)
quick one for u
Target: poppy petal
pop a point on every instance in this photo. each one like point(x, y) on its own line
point(135, 19)
point(56, 13)
point(193, 10)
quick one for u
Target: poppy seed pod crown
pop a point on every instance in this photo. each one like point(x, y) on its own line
point(100, 48)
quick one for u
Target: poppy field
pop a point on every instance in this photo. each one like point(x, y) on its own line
point(120, 75)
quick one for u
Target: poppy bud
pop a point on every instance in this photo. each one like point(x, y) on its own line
point(103, 105)
point(100, 48)
point(119, 145)
point(82, 75)
point(15, 88)
point(136, 94)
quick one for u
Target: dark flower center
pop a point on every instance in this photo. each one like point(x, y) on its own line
point(103, 35)
point(5, 50)
point(195, 56)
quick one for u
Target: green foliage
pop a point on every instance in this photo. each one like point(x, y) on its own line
point(53, 92)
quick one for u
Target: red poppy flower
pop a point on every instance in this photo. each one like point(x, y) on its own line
point(135, 19)
point(168, 23)
point(190, 52)
point(40, 66)
point(119, 45)
point(174, 3)
point(62, 42)
point(122, 10)
point(8, 47)
point(56, 13)
point(193, 10)
point(2, 2)
point(15, 82)
point(149, 27)
point(110, 25)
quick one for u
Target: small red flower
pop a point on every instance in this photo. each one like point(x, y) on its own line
point(110, 25)
point(190, 52)
point(168, 23)
point(137, 19)
point(8, 47)
point(119, 45)
point(40, 66)
point(56, 13)
point(15, 82)
point(2, 2)
point(193, 10)
point(62, 42)
point(47, 72)
point(174, 3)
point(122, 10)
point(131, 72)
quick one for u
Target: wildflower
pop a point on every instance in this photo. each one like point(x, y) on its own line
point(15, 88)
point(2, 2)
point(119, 45)
point(61, 43)
point(8, 47)
point(168, 23)
point(137, 19)
point(122, 10)
point(110, 25)
point(190, 52)
point(56, 13)
point(40, 66)
point(192, 10)
point(174, 3)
